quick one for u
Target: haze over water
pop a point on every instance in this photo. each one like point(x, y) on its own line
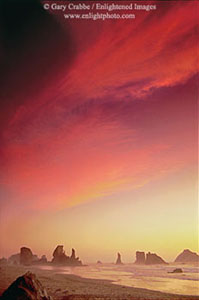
point(149, 277)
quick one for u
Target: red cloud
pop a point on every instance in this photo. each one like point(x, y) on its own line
point(65, 148)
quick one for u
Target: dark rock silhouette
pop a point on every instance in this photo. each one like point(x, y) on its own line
point(99, 262)
point(149, 259)
point(14, 259)
point(73, 254)
point(59, 257)
point(119, 261)
point(153, 259)
point(3, 261)
point(176, 271)
point(26, 256)
point(35, 258)
point(187, 256)
point(73, 260)
point(26, 287)
point(140, 258)
point(41, 261)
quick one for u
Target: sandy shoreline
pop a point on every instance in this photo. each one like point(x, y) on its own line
point(71, 287)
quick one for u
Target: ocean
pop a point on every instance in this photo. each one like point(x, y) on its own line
point(154, 277)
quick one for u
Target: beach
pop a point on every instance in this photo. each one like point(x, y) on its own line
point(72, 287)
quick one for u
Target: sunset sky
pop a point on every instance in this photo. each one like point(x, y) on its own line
point(98, 133)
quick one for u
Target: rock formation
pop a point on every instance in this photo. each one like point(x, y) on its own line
point(59, 257)
point(26, 287)
point(3, 261)
point(176, 271)
point(26, 256)
point(41, 261)
point(149, 259)
point(187, 256)
point(73, 254)
point(73, 260)
point(119, 261)
point(99, 262)
point(140, 258)
point(153, 259)
point(14, 259)
point(35, 258)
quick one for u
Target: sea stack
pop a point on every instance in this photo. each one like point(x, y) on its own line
point(154, 259)
point(14, 259)
point(59, 257)
point(119, 261)
point(42, 261)
point(26, 256)
point(73, 260)
point(178, 270)
point(73, 254)
point(187, 256)
point(140, 258)
point(3, 261)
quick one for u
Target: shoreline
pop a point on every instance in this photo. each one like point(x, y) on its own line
point(72, 287)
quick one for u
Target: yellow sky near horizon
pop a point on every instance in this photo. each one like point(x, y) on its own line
point(157, 218)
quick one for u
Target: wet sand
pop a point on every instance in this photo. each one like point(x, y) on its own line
point(70, 287)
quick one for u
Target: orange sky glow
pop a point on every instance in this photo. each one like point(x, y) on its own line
point(99, 149)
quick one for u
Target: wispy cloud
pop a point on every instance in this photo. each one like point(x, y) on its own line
point(86, 136)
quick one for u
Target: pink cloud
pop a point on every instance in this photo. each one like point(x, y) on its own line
point(64, 147)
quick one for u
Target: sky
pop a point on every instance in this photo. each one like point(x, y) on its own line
point(98, 135)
